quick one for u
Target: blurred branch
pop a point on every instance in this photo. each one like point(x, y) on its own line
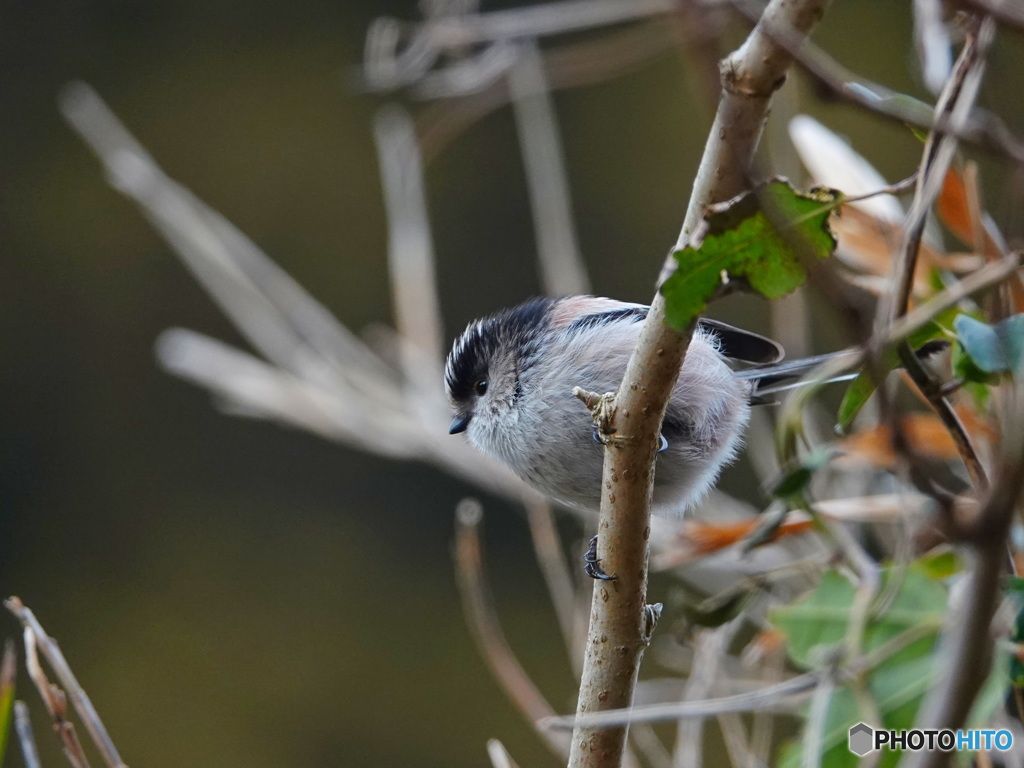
point(566, 66)
point(561, 266)
point(813, 737)
point(966, 653)
point(988, 132)
point(631, 422)
point(486, 629)
point(23, 726)
point(500, 757)
point(784, 695)
point(414, 298)
point(553, 567)
point(54, 698)
point(317, 374)
point(387, 68)
point(956, 101)
point(1007, 11)
point(711, 647)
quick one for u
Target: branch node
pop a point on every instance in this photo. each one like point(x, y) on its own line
point(651, 615)
point(602, 409)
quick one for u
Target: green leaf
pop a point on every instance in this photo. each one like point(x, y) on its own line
point(820, 620)
point(863, 387)
point(854, 399)
point(940, 565)
point(896, 687)
point(797, 476)
point(898, 683)
point(1015, 585)
point(743, 243)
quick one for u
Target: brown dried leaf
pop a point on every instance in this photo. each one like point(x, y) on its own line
point(703, 538)
point(953, 207)
point(925, 432)
point(867, 244)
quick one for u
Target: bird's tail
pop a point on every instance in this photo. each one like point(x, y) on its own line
point(788, 374)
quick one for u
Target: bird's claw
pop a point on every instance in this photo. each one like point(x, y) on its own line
point(592, 563)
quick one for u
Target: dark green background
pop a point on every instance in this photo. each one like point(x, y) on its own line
point(229, 592)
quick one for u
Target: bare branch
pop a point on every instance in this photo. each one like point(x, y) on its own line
point(56, 704)
point(618, 634)
point(1006, 11)
point(268, 307)
point(500, 757)
point(410, 255)
point(23, 727)
point(320, 376)
point(569, 65)
point(786, 695)
point(956, 100)
point(34, 634)
point(931, 39)
point(987, 132)
point(486, 630)
point(559, 580)
point(966, 651)
point(387, 68)
point(562, 269)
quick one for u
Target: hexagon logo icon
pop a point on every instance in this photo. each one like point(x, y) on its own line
point(861, 739)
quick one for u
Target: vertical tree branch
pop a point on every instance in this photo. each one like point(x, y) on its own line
point(619, 625)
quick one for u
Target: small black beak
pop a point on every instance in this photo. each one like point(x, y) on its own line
point(459, 424)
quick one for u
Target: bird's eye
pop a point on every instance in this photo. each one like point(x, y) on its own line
point(480, 387)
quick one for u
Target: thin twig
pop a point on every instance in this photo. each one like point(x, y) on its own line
point(27, 740)
point(786, 694)
point(486, 629)
point(410, 255)
point(955, 105)
point(561, 266)
point(646, 742)
point(956, 101)
point(387, 68)
point(79, 698)
point(737, 741)
point(500, 758)
point(814, 731)
point(761, 727)
point(1006, 11)
point(966, 650)
point(56, 704)
point(568, 66)
point(712, 648)
point(561, 588)
point(989, 133)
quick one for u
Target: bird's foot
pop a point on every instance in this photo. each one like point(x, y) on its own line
point(592, 564)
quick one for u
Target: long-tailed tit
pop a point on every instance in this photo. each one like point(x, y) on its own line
point(510, 380)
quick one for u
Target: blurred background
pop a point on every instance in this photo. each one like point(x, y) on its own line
point(230, 592)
